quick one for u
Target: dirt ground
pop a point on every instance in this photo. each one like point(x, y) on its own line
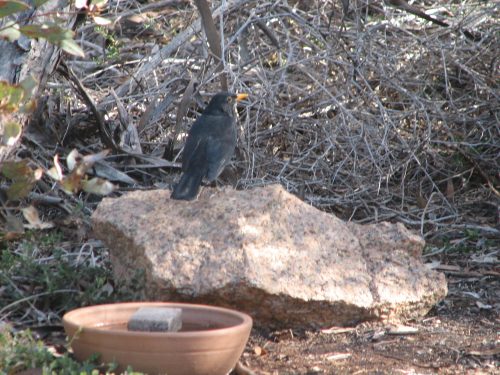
point(446, 342)
point(460, 335)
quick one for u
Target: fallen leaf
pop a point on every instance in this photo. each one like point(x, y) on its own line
point(13, 228)
point(336, 330)
point(30, 213)
point(107, 289)
point(56, 171)
point(92, 158)
point(73, 159)
point(38, 173)
point(433, 265)
point(472, 294)
point(378, 335)
point(483, 306)
point(72, 183)
point(101, 21)
point(485, 258)
point(98, 186)
point(337, 356)
point(448, 267)
point(487, 352)
point(402, 330)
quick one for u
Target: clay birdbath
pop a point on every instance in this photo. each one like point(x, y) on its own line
point(210, 341)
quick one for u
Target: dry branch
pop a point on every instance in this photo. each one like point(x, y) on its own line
point(360, 111)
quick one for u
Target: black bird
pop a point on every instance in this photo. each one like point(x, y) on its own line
point(209, 146)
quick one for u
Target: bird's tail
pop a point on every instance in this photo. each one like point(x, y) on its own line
point(188, 186)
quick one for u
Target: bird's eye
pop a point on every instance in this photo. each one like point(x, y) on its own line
point(229, 99)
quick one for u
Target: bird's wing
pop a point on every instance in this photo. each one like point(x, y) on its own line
point(210, 145)
point(195, 144)
point(218, 155)
point(219, 152)
point(192, 149)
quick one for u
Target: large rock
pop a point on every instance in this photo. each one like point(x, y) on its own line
point(266, 252)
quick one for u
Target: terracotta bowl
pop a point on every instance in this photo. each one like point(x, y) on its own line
point(210, 342)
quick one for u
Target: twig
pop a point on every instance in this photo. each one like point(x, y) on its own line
point(213, 39)
point(241, 369)
point(106, 137)
point(35, 296)
point(479, 169)
point(165, 52)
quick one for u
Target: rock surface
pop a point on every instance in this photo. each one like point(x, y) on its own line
point(265, 252)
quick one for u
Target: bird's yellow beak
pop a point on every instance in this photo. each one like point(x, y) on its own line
point(241, 97)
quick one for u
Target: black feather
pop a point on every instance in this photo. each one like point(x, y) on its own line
point(209, 146)
point(188, 186)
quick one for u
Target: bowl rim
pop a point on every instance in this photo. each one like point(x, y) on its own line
point(69, 320)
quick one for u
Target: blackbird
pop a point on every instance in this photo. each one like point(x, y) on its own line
point(209, 146)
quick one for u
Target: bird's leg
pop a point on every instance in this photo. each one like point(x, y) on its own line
point(215, 184)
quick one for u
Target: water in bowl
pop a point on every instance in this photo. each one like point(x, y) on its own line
point(186, 326)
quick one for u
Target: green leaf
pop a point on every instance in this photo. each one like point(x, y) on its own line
point(54, 34)
point(33, 31)
point(28, 85)
point(11, 6)
point(16, 170)
point(12, 132)
point(51, 32)
point(70, 46)
point(40, 2)
point(13, 96)
point(10, 96)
